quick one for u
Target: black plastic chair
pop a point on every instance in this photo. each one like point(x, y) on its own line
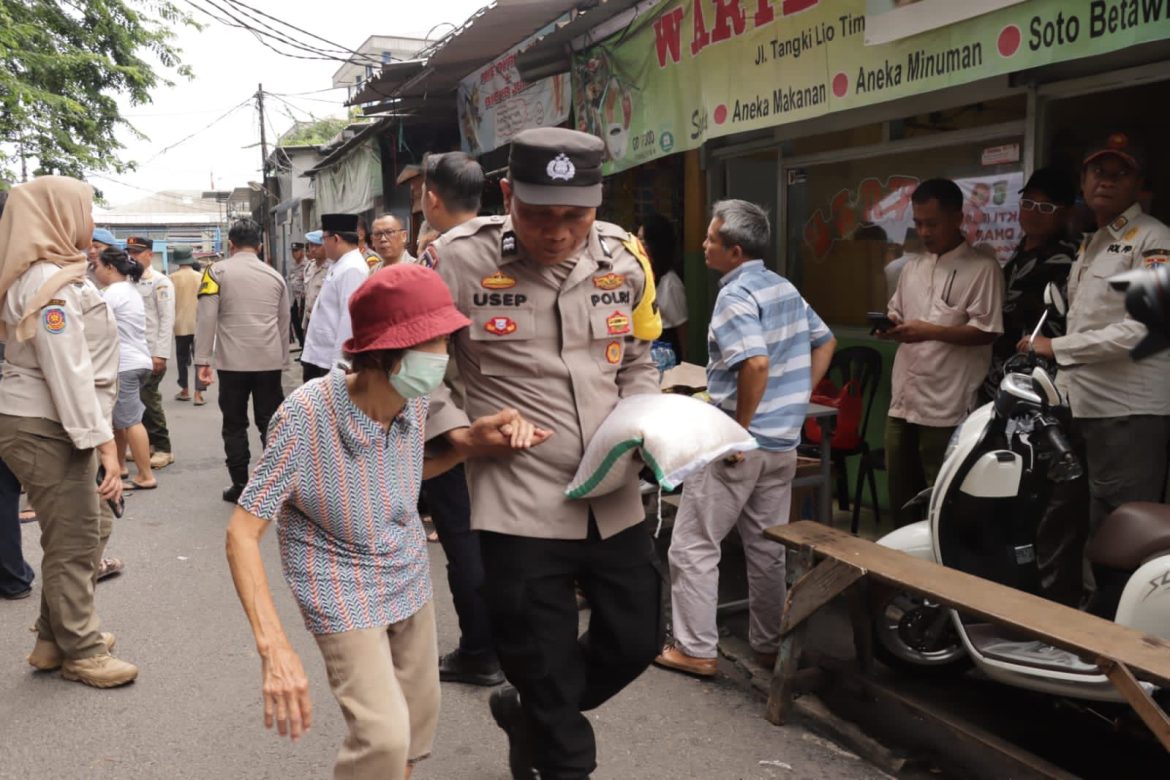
point(863, 364)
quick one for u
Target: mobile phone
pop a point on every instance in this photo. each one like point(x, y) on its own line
point(117, 507)
point(879, 322)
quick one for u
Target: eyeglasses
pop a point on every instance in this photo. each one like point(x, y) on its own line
point(1027, 204)
point(387, 233)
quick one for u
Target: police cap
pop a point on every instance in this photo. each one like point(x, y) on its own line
point(553, 166)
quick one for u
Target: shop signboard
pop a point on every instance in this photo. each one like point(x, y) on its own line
point(889, 20)
point(698, 69)
point(494, 103)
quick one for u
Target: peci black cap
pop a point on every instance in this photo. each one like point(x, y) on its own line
point(1060, 187)
point(552, 166)
point(339, 223)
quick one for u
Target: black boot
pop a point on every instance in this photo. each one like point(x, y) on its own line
point(232, 494)
point(457, 666)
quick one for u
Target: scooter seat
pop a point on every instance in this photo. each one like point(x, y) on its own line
point(1131, 535)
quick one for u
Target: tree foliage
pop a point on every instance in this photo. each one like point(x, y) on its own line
point(63, 65)
point(317, 132)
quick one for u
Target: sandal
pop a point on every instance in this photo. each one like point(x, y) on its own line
point(28, 515)
point(132, 485)
point(109, 567)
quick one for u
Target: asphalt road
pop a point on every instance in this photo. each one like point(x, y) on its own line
point(195, 710)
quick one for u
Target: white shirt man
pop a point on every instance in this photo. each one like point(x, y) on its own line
point(329, 326)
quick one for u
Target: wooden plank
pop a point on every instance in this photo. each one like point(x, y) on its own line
point(861, 618)
point(782, 689)
point(1146, 708)
point(1146, 656)
point(815, 589)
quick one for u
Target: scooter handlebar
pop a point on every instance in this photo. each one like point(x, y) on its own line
point(1065, 464)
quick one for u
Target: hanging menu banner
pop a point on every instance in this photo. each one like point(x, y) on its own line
point(698, 69)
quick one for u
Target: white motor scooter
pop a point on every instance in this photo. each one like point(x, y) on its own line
point(984, 509)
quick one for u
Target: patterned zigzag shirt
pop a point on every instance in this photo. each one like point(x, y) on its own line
point(344, 494)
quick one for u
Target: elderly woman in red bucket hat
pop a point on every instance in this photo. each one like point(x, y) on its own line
point(340, 476)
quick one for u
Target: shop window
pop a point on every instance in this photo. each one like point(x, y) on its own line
point(988, 112)
point(849, 221)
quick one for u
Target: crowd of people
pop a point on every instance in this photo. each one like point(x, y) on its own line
point(471, 377)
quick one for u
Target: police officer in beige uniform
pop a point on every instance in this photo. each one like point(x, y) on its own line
point(242, 325)
point(314, 272)
point(57, 398)
point(1121, 408)
point(562, 310)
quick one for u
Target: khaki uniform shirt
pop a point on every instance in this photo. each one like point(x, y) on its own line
point(561, 352)
point(314, 281)
point(934, 383)
point(68, 372)
point(158, 294)
point(1096, 372)
point(186, 281)
point(243, 316)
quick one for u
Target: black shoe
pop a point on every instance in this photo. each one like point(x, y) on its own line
point(232, 494)
point(24, 594)
point(458, 667)
point(505, 707)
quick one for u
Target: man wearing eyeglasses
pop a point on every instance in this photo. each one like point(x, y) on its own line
point(1121, 408)
point(389, 242)
point(1044, 255)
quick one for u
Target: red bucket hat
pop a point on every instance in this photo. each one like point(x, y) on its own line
point(401, 306)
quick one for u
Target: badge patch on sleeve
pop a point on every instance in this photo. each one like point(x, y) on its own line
point(54, 319)
point(617, 324)
point(613, 353)
point(500, 326)
point(1153, 257)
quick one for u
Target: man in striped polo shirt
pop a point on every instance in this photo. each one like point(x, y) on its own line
point(767, 350)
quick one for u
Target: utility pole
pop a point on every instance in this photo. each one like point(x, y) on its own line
point(264, 222)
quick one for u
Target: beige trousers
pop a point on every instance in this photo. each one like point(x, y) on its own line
point(386, 681)
point(751, 495)
point(61, 482)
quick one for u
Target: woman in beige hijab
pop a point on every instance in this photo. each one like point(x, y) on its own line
point(56, 400)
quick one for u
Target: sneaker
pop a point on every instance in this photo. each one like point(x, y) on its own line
point(232, 494)
point(24, 594)
point(182, 395)
point(505, 707)
point(99, 671)
point(160, 460)
point(457, 666)
point(47, 657)
point(199, 399)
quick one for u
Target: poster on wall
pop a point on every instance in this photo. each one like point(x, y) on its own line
point(693, 70)
point(494, 103)
point(890, 20)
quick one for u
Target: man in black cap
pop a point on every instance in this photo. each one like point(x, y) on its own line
point(295, 278)
point(1121, 408)
point(1044, 256)
point(329, 326)
point(563, 314)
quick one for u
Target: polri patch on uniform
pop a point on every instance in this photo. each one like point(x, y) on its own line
point(54, 319)
point(500, 326)
point(617, 324)
point(613, 353)
point(1152, 257)
point(610, 281)
point(498, 281)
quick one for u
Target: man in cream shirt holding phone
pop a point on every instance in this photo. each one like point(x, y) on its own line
point(946, 313)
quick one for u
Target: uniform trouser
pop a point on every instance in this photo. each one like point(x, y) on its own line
point(310, 371)
point(1125, 459)
point(751, 495)
point(529, 587)
point(235, 387)
point(386, 681)
point(62, 485)
point(16, 576)
point(914, 455)
point(296, 310)
point(450, 507)
point(185, 355)
point(154, 418)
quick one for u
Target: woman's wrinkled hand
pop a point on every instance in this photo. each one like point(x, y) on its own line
point(286, 693)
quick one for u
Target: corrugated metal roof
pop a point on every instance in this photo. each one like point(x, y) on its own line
point(489, 32)
point(583, 23)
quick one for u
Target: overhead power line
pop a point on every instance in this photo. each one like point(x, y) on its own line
point(204, 129)
point(337, 46)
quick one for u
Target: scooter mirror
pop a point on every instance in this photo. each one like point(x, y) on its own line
point(1054, 299)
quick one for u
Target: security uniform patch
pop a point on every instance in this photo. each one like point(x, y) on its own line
point(53, 318)
point(610, 281)
point(1153, 257)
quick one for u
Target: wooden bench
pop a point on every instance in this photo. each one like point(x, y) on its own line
point(852, 564)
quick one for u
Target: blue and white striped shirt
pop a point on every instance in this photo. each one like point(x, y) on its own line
point(761, 314)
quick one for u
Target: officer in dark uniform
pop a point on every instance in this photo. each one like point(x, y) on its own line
point(563, 314)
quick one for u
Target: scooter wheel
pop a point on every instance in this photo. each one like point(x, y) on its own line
point(915, 636)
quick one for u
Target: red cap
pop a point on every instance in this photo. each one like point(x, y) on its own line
point(1121, 145)
point(401, 306)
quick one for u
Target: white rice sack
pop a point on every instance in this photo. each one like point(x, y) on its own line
point(677, 435)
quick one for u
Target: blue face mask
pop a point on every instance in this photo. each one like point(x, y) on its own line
point(419, 373)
